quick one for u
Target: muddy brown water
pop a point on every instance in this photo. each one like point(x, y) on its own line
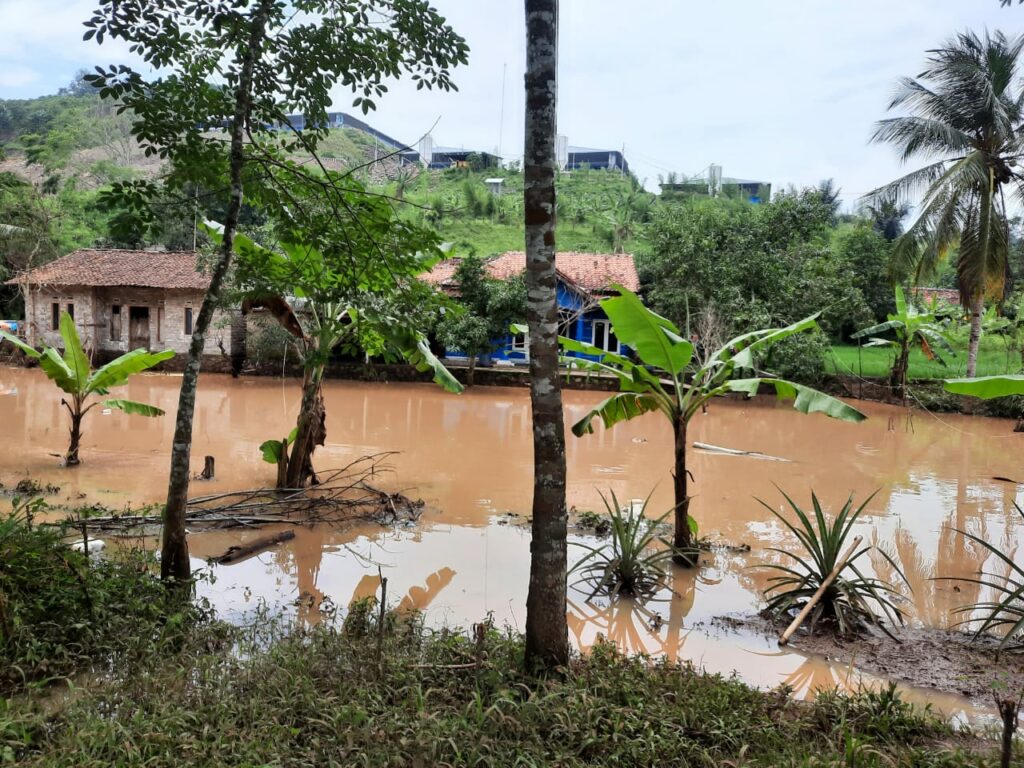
point(469, 458)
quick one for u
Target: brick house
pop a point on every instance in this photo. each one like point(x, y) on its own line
point(121, 300)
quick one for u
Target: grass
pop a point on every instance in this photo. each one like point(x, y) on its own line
point(876, 362)
point(61, 614)
point(336, 697)
point(202, 694)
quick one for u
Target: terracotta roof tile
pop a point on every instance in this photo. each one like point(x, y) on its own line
point(111, 267)
point(594, 272)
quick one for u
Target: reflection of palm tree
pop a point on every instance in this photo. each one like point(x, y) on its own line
point(814, 675)
point(418, 598)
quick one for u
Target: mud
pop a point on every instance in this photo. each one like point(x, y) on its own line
point(942, 660)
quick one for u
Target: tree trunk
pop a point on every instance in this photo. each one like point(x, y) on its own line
point(311, 430)
point(898, 378)
point(547, 632)
point(471, 371)
point(71, 458)
point(682, 538)
point(977, 310)
point(174, 562)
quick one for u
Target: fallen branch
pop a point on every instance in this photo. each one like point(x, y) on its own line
point(343, 494)
point(241, 552)
point(734, 452)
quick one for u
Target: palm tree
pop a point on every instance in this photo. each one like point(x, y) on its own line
point(887, 215)
point(965, 116)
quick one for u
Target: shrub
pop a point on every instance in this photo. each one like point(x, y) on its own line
point(800, 358)
point(852, 599)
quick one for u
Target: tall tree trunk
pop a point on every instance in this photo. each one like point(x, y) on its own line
point(682, 538)
point(977, 310)
point(311, 429)
point(471, 371)
point(547, 633)
point(174, 563)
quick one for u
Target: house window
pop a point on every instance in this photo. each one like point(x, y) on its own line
point(115, 322)
point(55, 316)
point(604, 337)
point(521, 343)
point(71, 310)
point(188, 321)
point(159, 323)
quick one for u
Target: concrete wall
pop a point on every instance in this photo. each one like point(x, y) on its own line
point(95, 320)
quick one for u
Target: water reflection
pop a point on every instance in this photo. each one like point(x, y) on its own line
point(470, 458)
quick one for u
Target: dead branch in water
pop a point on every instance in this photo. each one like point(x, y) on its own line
point(342, 494)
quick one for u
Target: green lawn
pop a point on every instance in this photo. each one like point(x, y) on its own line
point(875, 362)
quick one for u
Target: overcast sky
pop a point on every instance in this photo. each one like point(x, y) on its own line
point(783, 91)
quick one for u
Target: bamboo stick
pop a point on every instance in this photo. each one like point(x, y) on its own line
point(821, 591)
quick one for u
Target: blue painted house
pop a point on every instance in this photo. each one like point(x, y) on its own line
point(583, 280)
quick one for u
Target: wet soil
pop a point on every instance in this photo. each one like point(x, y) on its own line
point(925, 658)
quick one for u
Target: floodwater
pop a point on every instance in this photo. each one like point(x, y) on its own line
point(469, 457)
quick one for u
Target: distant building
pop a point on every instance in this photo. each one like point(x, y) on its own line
point(584, 157)
point(583, 279)
point(713, 184)
point(345, 120)
point(120, 300)
point(453, 157)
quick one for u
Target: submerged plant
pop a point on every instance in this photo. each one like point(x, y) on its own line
point(631, 562)
point(1004, 613)
point(73, 373)
point(852, 600)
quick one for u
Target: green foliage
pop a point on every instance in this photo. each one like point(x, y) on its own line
point(484, 309)
point(631, 563)
point(753, 264)
point(327, 696)
point(987, 387)
point(852, 600)
point(800, 358)
point(1003, 615)
point(659, 346)
point(911, 327)
point(273, 450)
point(62, 613)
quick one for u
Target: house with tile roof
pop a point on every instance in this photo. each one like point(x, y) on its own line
point(121, 300)
point(583, 280)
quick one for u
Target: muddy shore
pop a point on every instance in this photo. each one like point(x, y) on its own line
point(927, 658)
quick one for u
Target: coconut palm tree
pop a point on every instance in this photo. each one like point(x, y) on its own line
point(964, 115)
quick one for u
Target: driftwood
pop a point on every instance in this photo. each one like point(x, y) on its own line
point(342, 495)
point(208, 472)
point(235, 554)
point(734, 452)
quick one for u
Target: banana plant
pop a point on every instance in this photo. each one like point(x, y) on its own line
point(910, 328)
point(327, 304)
point(666, 378)
point(73, 374)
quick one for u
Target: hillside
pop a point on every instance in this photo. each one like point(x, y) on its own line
point(70, 146)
